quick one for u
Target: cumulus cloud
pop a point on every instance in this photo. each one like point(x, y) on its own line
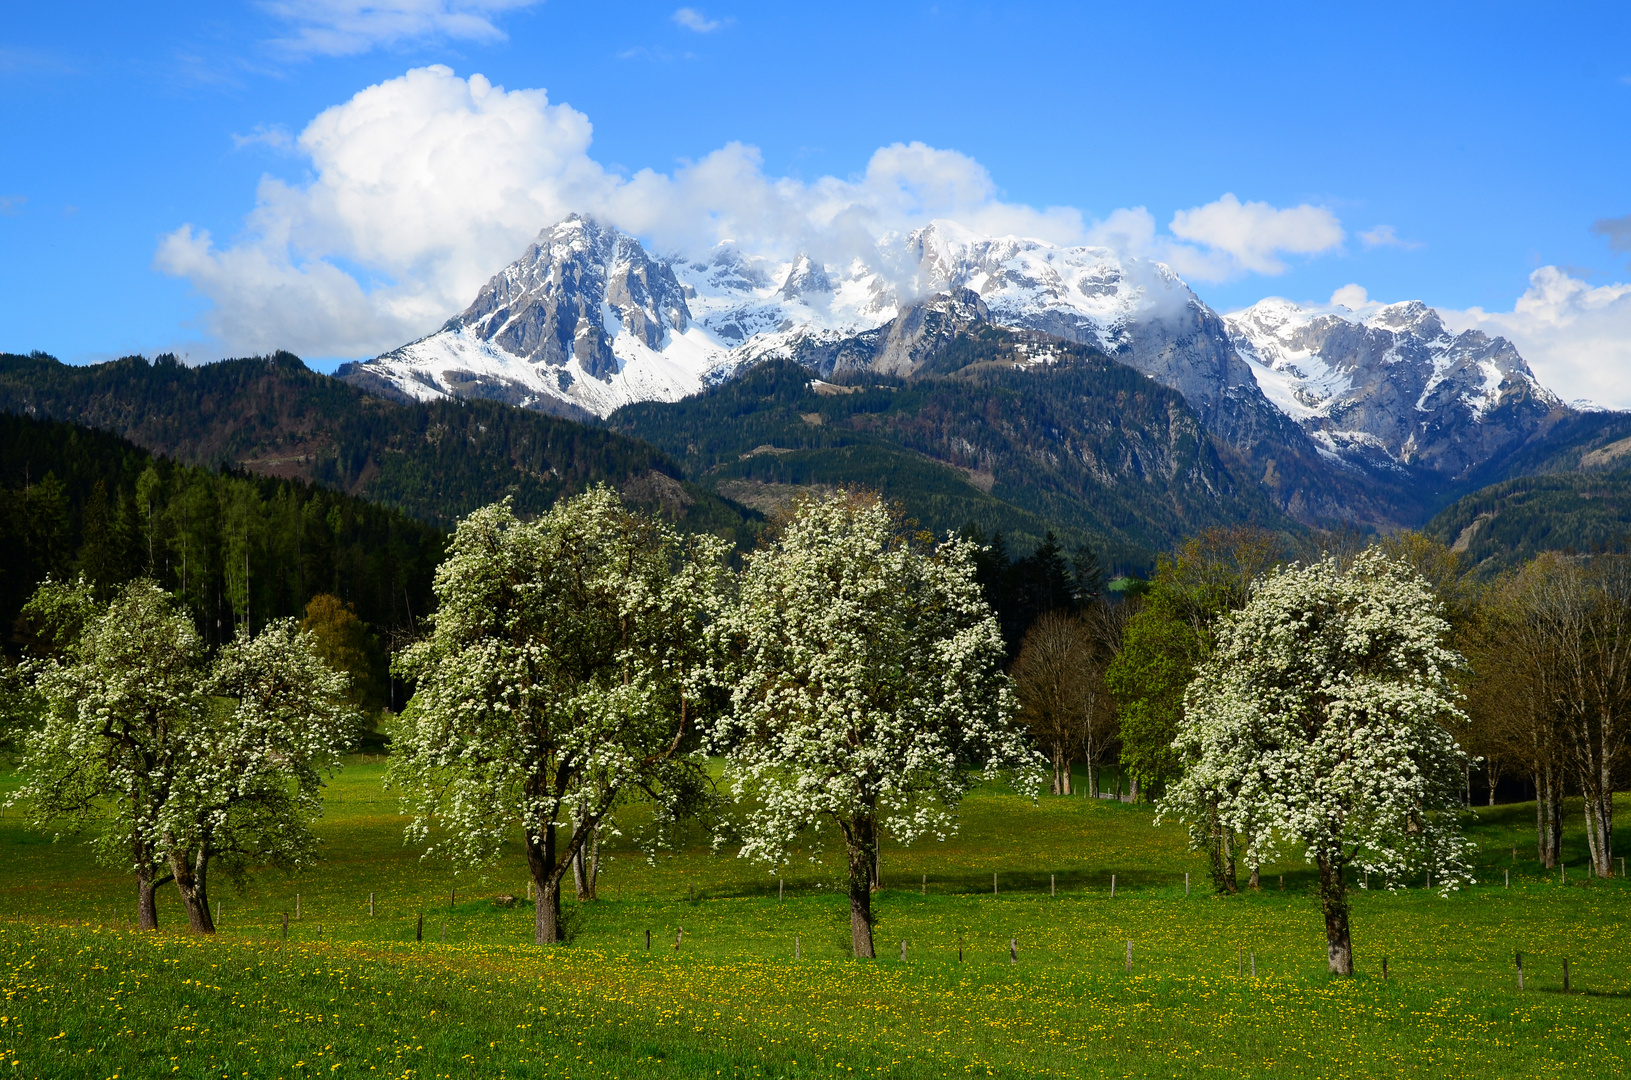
point(349, 27)
point(692, 19)
point(1353, 297)
point(423, 186)
point(1576, 336)
point(1254, 234)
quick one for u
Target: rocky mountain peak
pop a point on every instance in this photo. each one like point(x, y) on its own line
point(805, 277)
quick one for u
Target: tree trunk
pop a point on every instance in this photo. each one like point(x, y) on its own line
point(1092, 780)
point(1554, 818)
point(586, 863)
point(1599, 831)
point(147, 903)
point(546, 879)
point(862, 835)
point(1065, 776)
point(1334, 898)
point(191, 883)
point(1256, 880)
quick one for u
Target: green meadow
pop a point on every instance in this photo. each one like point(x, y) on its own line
point(347, 993)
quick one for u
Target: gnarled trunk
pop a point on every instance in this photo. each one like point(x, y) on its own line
point(1334, 899)
point(862, 837)
point(192, 884)
point(546, 879)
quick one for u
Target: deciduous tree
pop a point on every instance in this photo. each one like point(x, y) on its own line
point(563, 671)
point(868, 672)
point(1320, 720)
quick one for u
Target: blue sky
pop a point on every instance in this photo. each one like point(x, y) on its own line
point(1458, 154)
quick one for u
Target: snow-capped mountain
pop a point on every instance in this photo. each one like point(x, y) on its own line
point(1394, 386)
point(587, 321)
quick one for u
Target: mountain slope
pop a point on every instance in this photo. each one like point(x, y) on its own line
point(1505, 524)
point(1395, 388)
point(1372, 421)
point(435, 460)
point(1011, 430)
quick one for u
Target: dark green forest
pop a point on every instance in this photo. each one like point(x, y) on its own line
point(238, 549)
point(435, 461)
point(1505, 525)
point(1082, 445)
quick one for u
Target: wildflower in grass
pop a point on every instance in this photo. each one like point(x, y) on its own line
point(1320, 719)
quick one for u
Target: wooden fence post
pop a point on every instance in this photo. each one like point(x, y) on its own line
point(1013, 951)
point(1129, 957)
point(677, 938)
point(780, 887)
point(1052, 886)
point(1112, 886)
point(1186, 883)
point(924, 891)
point(419, 928)
point(648, 941)
point(903, 950)
point(296, 907)
point(1563, 869)
point(1508, 884)
point(1254, 965)
point(796, 944)
point(370, 905)
point(1384, 969)
point(1240, 961)
point(1565, 974)
point(959, 948)
point(993, 883)
point(1518, 957)
point(285, 926)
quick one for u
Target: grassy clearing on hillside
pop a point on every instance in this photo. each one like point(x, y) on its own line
point(350, 994)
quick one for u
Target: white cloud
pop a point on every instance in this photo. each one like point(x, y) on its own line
point(1254, 234)
point(425, 185)
point(1386, 236)
point(349, 27)
point(1352, 297)
point(12, 205)
point(275, 136)
point(1576, 337)
point(692, 19)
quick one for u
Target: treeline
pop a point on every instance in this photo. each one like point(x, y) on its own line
point(435, 461)
point(238, 550)
point(1545, 686)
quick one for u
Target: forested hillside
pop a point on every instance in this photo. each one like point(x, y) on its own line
point(1506, 524)
point(275, 417)
point(1013, 432)
point(238, 549)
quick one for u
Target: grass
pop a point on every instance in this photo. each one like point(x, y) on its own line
point(348, 994)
